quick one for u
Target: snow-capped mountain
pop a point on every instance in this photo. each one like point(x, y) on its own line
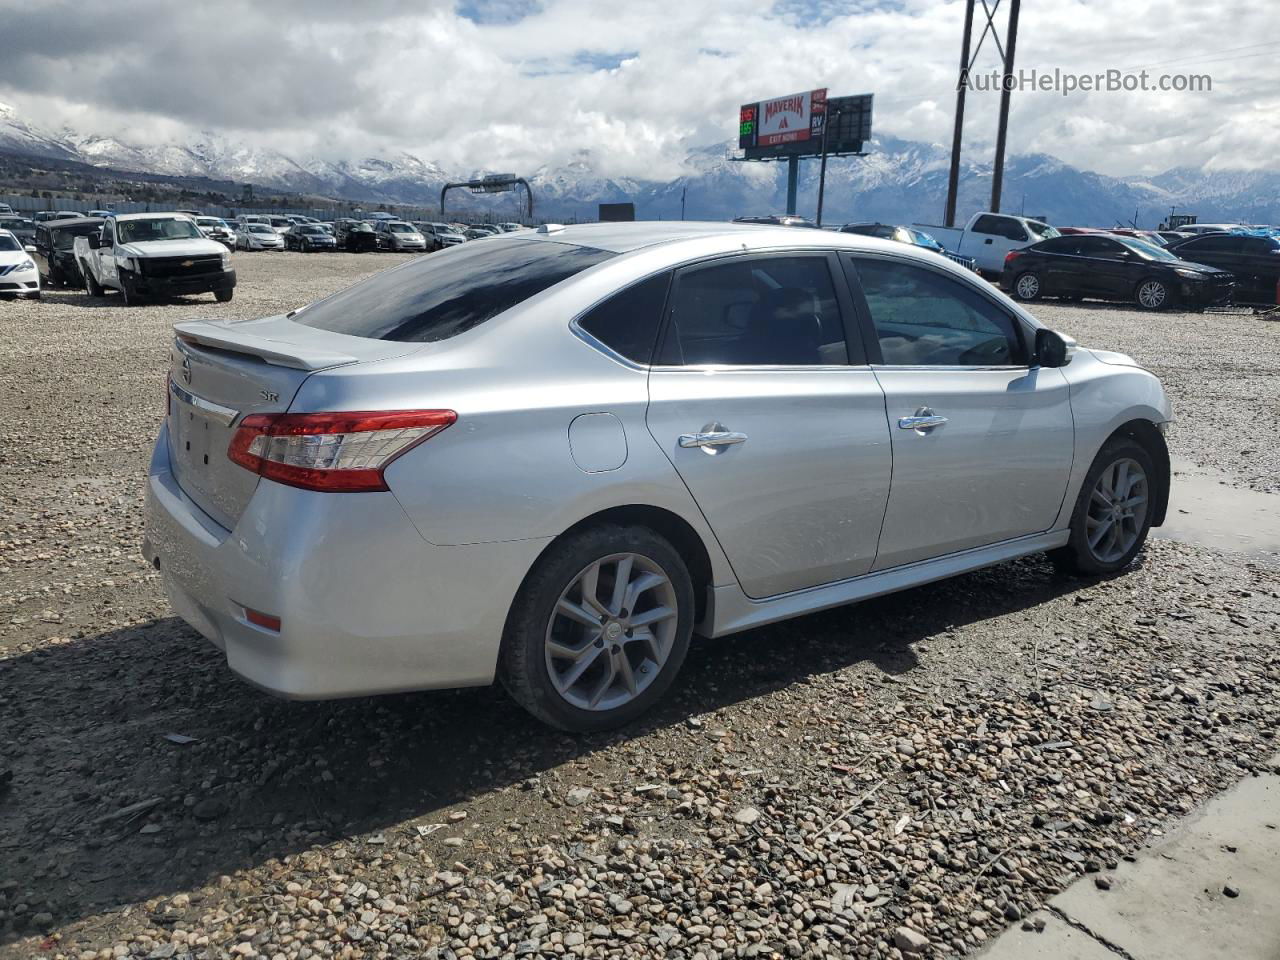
point(898, 181)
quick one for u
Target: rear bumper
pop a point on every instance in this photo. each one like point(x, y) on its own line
point(180, 286)
point(366, 604)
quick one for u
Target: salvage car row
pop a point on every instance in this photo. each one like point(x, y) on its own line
point(160, 255)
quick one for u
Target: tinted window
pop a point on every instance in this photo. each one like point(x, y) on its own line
point(924, 318)
point(1212, 245)
point(1070, 244)
point(1260, 245)
point(754, 311)
point(438, 297)
point(628, 322)
point(1000, 227)
point(1100, 247)
point(9, 243)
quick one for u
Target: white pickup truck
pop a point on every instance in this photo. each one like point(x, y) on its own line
point(987, 237)
point(154, 255)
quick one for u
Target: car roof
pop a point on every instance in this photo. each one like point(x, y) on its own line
point(70, 222)
point(626, 237)
point(154, 215)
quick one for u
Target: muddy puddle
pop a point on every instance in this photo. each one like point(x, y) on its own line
point(1206, 511)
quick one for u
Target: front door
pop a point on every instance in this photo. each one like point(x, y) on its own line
point(779, 437)
point(982, 441)
point(108, 268)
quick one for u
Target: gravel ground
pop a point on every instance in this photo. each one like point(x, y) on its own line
point(901, 778)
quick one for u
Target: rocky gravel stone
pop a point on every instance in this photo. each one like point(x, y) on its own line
point(901, 778)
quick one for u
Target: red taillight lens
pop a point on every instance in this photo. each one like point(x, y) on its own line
point(1011, 256)
point(332, 452)
point(260, 619)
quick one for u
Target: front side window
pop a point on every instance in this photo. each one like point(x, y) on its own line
point(773, 311)
point(628, 322)
point(923, 318)
point(434, 298)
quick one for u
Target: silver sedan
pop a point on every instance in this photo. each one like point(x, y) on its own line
point(553, 457)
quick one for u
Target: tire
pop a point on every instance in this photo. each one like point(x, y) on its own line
point(1082, 558)
point(128, 296)
point(34, 295)
point(224, 296)
point(91, 284)
point(627, 674)
point(1027, 286)
point(1152, 294)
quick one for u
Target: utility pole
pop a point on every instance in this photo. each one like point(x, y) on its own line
point(683, 191)
point(1006, 87)
point(822, 175)
point(953, 177)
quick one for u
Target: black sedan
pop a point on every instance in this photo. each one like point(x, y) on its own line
point(1112, 268)
point(1255, 261)
point(308, 237)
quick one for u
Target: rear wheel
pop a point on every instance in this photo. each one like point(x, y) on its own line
point(1027, 287)
point(93, 287)
point(1112, 515)
point(1152, 295)
point(599, 629)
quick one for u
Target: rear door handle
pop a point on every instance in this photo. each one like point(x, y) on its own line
point(712, 438)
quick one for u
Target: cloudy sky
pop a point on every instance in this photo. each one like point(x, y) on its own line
point(515, 84)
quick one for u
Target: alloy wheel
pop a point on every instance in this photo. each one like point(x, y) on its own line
point(1028, 286)
point(1117, 510)
point(611, 632)
point(1152, 294)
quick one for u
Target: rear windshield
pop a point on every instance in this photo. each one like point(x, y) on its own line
point(440, 296)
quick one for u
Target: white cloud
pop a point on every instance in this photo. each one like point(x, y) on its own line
point(515, 84)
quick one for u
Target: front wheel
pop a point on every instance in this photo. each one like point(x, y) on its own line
point(599, 630)
point(223, 296)
point(1112, 515)
point(1152, 295)
point(1027, 287)
point(128, 295)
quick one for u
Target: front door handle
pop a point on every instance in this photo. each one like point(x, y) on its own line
point(712, 438)
point(923, 421)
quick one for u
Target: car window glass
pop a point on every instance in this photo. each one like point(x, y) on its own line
point(437, 297)
point(1102, 248)
point(9, 243)
point(1212, 245)
point(923, 318)
point(1069, 244)
point(628, 321)
point(756, 311)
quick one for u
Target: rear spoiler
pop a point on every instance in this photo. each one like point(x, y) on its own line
point(277, 352)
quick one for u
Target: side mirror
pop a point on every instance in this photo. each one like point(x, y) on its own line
point(29, 248)
point(95, 241)
point(1053, 349)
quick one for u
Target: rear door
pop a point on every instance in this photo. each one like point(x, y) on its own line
point(765, 406)
point(105, 255)
point(982, 441)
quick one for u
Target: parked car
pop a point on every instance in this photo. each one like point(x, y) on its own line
point(55, 254)
point(1199, 228)
point(145, 255)
point(778, 220)
point(488, 228)
point(280, 225)
point(474, 233)
point(1149, 236)
point(20, 227)
point(254, 218)
point(1110, 267)
point(987, 237)
point(100, 213)
point(18, 273)
point(1075, 230)
point(217, 229)
point(258, 236)
point(909, 235)
point(510, 227)
point(400, 236)
point(1255, 261)
point(5, 210)
point(439, 235)
point(356, 236)
point(455, 529)
point(46, 215)
point(309, 238)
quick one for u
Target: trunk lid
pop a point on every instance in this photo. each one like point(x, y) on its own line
point(223, 371)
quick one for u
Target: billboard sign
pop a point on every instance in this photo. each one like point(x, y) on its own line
point(793, 125)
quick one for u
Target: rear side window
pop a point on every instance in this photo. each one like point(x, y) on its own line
point(627, 323)
point(923, 318)
point(773, 311)
point(448, 293)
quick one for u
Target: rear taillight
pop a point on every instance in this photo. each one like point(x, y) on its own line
point(1011, 256)
point(333, 452)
